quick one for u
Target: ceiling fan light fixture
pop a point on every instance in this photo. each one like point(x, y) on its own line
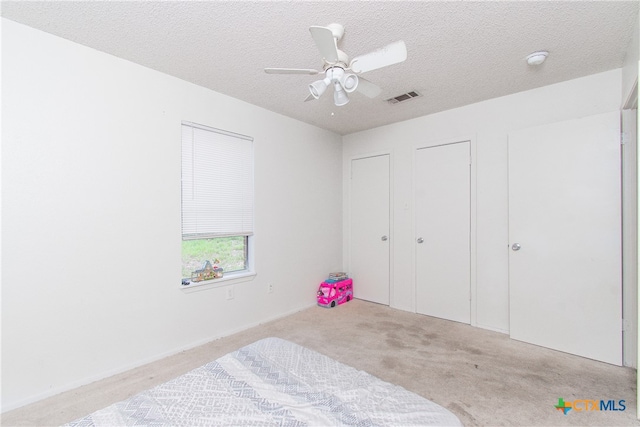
point(340, 97)
point(349, 82)
point(318, 87)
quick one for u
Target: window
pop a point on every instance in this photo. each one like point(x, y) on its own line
point(217, 203)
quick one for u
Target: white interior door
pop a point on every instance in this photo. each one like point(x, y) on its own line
point(630, 237)
point(443, 221)
point(369, 250)
point(564, 216)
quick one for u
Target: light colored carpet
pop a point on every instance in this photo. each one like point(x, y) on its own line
point(483, 377)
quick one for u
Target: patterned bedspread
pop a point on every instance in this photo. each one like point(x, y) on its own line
point(273, 382)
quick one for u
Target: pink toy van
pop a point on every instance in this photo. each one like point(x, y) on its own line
point(330, 294)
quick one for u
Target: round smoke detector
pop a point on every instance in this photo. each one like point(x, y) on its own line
point(537, 58)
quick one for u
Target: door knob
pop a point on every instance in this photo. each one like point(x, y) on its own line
point(420, 240)
point(384, 238)
point(515, 247)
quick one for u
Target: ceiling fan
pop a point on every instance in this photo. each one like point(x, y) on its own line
point(343, 75)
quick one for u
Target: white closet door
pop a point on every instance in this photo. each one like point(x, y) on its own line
point(565, 237)
point(369, 251)
point(443, 222)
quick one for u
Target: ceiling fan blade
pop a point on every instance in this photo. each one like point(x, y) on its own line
point(367, 88)
point(326, 43)
point(291, 71)
point(393, 53)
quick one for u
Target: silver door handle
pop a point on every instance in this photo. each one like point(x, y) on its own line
point(384, 238)
point(515, 247)
point(420, 240)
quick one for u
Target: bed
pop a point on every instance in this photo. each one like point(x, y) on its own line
point(273, 382)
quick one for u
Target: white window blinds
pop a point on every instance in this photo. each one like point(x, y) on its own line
point(217, 183)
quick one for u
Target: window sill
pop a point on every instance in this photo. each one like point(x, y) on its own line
point(230, 279)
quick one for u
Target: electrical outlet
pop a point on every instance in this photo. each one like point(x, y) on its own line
point(270, 288)
point(230, 294)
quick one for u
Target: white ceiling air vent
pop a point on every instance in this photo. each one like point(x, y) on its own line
point(404, 97)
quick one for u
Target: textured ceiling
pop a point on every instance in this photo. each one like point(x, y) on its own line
point(458, 52)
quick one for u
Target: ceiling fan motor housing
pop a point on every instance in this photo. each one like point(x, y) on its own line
point(343, 60)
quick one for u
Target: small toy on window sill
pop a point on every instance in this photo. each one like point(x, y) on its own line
point(207, 272)
point(336, 290)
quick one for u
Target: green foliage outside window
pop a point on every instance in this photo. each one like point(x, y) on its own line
point(230, 251)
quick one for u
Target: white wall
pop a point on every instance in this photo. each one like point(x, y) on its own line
point(630, 66)
point(487, 125)
point(91, 215)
